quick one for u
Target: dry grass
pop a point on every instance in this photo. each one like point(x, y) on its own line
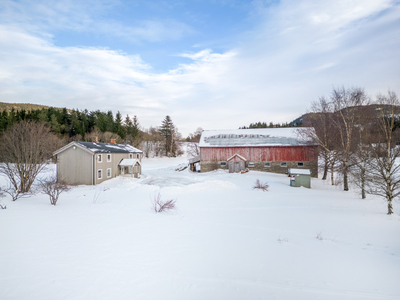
point(261, 186)
point(162, 206)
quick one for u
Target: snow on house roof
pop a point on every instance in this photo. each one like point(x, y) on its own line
point(251, 137)
point(109, 148)
point(126, 162)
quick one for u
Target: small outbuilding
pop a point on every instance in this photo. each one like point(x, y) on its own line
point(300, 177)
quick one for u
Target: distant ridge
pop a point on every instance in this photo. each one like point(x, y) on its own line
point(20, 106)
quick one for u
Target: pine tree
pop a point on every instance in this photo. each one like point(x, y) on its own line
point(169, 133)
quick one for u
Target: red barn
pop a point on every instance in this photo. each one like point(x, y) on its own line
point(265, 149)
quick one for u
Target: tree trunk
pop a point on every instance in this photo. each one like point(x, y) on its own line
point(363, 196)
point(390, 207)
point(332, 179)
point(345, 178)
point(325, 170)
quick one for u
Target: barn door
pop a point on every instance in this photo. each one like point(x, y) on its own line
point(242, 166)
point(231, 167)
point(237, 167)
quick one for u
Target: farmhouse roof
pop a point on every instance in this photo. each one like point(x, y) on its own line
point(101, 148)
point(251, 137)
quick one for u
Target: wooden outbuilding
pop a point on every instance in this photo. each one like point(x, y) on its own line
point(265, 149)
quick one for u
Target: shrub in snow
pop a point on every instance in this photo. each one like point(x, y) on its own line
point(16, 193)
point(261, 186)
point(159, 205)
point(284, 240)
point(53, 188)
point(3, 207)
point(319, 236)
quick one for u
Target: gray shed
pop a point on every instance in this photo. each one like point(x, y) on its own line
point(300, 177)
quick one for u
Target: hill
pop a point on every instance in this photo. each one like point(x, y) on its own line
point(20, 106)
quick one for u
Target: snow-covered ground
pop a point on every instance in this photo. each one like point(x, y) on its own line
point(225, 240)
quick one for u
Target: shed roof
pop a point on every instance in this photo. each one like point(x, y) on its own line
point(299, 171)
point(251, 137)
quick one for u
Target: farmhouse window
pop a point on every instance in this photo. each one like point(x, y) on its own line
point(267, 164)
point(99, 174)
point(283, 164)
point(251, 164)
point(109, 172)
point(131, 155)
point(300, 164)
point(99, 158)
point(108, 157)
point(223, 163)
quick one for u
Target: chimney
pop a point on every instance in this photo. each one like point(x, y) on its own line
point(113, 141)
point(95, 139)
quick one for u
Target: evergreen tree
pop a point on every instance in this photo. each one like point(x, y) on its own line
point(118, 128)
point(168, 132)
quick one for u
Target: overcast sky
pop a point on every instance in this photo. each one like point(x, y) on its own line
point(206, 63)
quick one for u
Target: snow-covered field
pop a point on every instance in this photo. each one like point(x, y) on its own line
point(225, 240)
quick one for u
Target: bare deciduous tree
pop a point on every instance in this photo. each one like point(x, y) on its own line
point(25, 149)
point(53, 187)
point(362, 157)
point(319, 129)
point(193, 150)
point(345, 117)
point(385, 167)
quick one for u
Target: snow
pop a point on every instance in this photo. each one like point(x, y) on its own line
point(128, 162)
point(236, 155)
point(251, 137)
point(224, 241)
point(299, 171)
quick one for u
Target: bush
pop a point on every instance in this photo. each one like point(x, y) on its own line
point(53, 187)
point(261, 186)
point(159, 206)
point(25, 149)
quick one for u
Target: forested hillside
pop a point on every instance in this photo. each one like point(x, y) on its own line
point(19, 106)
point(84, 125)
point(73, 123)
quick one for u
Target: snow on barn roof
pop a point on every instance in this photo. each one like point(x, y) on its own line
point(109, 148)
point(251, 137)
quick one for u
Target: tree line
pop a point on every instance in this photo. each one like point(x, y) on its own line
point(84, 125)
point(358, 138)
point(74, 124)
point(270, 125)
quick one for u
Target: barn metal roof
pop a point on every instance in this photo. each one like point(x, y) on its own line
point(251, 137)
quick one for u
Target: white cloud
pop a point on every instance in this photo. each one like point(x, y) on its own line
point(88, 16)
point(299, 51)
